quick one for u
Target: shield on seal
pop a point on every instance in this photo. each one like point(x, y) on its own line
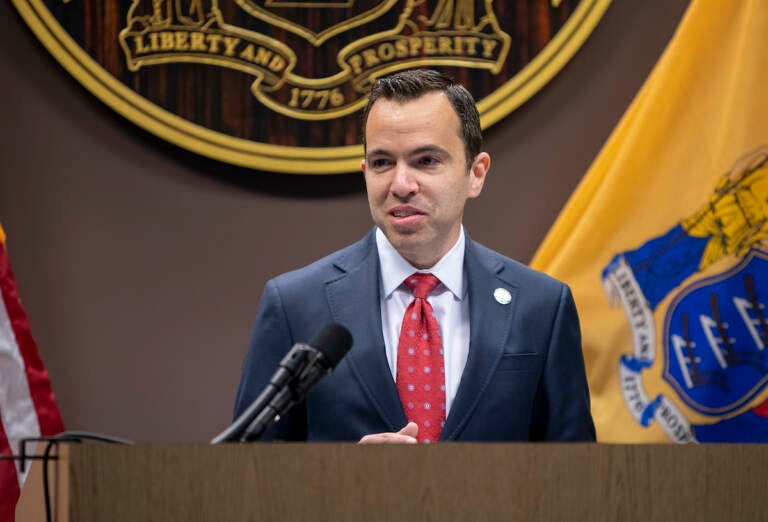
point(318, 20)
point(715, 338)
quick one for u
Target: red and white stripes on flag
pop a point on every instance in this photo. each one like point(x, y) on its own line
point(27, 405)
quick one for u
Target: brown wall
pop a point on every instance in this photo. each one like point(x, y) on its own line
point(141, 264)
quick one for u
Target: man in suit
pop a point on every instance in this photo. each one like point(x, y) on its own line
point(452, 341)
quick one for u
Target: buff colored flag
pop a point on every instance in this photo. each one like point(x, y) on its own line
point(27, 405)
point(665, 242)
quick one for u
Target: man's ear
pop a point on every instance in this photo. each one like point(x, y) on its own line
point(362, 165)
point(477, 173)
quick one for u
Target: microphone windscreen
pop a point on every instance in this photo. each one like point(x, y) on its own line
point(333, 341)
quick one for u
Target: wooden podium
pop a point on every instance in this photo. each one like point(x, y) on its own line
point(442, 482)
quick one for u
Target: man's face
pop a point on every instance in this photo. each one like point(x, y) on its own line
point(416, 175)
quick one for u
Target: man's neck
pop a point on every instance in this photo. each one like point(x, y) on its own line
point(395, 268)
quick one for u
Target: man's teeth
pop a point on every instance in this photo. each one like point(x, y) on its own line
point(403, 213)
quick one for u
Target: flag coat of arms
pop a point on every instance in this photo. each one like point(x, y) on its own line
point(665, 242)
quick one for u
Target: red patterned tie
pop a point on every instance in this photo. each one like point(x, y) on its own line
point(420, 371)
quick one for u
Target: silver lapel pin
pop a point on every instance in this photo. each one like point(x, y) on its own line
point(502, 296)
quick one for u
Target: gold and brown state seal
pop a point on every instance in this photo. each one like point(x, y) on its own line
point(277, 85)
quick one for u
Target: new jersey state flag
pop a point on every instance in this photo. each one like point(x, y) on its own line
point(665, 242)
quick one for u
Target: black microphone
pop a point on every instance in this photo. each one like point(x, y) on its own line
point(299, 370)
point(325, 351)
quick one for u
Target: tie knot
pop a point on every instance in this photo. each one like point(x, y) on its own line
point(421, 284)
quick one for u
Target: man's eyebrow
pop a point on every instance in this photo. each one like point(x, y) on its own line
point(378, 152)
point(426, 149)
point(430, 149)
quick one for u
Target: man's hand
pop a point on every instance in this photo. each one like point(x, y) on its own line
point(405, 436)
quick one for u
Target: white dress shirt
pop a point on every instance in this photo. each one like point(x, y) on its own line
point(449, 301)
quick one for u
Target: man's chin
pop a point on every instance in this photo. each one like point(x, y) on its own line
point(408, 245)
point(402, 237)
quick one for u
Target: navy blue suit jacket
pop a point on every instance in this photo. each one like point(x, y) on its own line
point(524, 378)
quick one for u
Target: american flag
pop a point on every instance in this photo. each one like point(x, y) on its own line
point(27, 404)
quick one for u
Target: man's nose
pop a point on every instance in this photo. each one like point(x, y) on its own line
point(404, 184)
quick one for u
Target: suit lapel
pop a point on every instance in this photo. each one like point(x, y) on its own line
point(355, 303)
point(489, 329)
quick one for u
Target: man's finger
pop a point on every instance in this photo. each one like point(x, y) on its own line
point(388, 438)
point(411, 429)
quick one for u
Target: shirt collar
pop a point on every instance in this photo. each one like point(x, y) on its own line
point(394, 268)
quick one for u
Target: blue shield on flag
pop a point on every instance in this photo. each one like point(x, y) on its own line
point(715, 337)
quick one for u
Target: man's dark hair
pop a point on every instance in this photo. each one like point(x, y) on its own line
point(413, 84)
